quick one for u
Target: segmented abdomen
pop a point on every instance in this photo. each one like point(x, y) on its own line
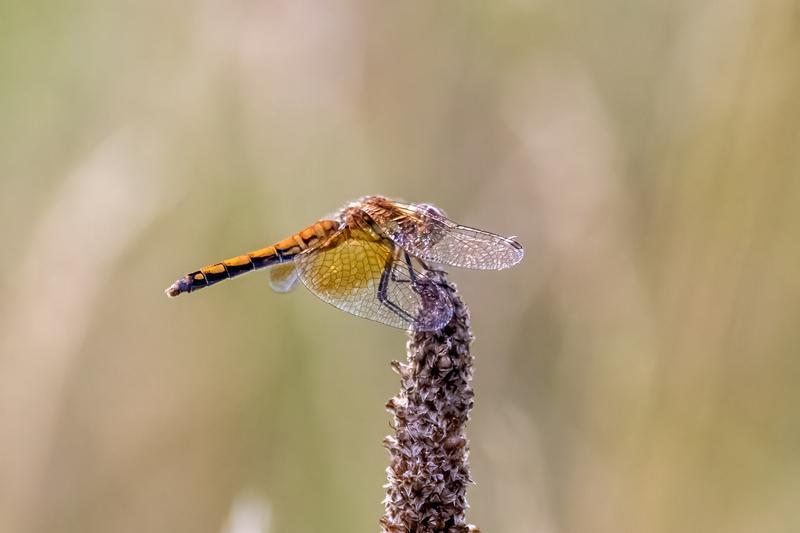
point(279, 252)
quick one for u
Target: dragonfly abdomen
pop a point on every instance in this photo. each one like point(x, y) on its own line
point(279, 252)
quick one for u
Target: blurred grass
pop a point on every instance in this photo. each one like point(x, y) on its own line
point(635, 373)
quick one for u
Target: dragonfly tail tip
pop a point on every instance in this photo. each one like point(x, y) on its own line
point(176, 288)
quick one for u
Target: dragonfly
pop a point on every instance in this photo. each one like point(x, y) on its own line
point(373, 259)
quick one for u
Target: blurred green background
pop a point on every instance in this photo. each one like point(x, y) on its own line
point(636, 373)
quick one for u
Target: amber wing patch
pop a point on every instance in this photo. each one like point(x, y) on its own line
point(362, 276)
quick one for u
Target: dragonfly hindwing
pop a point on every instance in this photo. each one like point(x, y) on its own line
point(283, 277)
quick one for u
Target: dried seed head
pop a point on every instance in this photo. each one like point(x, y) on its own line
point(429, 470)
point(454, 442)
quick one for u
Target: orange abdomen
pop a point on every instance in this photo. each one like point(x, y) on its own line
point(279, 252)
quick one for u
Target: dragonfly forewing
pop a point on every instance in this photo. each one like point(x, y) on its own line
point(426, 233)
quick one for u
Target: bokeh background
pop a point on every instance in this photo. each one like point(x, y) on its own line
point(637, 373)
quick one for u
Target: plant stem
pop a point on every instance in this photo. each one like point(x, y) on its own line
point(429, 470)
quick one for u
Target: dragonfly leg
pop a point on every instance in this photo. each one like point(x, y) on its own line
point(429, 268)
point(383, 296)
point(412, 276)
point(394, 276)
point(426, 266)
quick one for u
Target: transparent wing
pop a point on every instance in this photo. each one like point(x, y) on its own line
point(423, 231)
point(283, 277)
point(363, 277)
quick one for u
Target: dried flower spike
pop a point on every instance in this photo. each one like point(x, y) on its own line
point(429, 470)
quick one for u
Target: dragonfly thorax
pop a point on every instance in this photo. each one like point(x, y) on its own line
point(358, 220)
